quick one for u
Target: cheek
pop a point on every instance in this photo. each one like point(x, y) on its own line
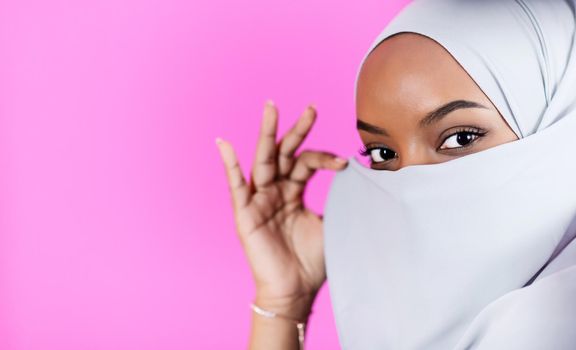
point(503, 133)
point(502, 127)
point(498, 129)
point(498, 136)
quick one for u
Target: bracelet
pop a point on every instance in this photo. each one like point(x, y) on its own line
point(271, 314)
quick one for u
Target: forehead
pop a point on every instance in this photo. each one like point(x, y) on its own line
point(407, 75)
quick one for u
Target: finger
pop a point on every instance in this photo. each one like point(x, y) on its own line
point(293, 139)
point(265, 166)
point(307, 163)
point(238, 187)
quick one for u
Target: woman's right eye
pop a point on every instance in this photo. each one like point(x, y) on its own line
point(378, 154)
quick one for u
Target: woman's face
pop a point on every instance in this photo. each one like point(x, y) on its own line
point(416, 105)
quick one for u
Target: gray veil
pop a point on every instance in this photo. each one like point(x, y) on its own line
point(477, 252)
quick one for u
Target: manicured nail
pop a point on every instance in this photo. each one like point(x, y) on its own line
point(218, 140)
point(340, 160)
point(269, 102)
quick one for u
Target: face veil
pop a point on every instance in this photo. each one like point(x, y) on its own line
point(477, 252)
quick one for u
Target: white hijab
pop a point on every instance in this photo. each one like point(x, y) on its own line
point(477, 252)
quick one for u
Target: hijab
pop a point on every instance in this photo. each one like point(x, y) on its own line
point(477, 252)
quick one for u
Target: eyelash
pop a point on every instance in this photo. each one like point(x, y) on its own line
point(366, 151)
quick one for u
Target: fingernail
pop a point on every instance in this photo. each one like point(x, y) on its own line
point(312, 105)
point(269, 102)
point(218, 140)
point(340, 160)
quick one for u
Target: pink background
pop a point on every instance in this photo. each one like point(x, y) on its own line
point(116, 229)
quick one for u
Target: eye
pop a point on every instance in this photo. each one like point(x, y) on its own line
point(462, 139)
point(378, 154)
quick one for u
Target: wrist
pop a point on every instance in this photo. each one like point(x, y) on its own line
point(298, 307)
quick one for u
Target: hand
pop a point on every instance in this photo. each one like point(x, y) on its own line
point(282, 239)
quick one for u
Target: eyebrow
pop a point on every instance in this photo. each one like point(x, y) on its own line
point(430, 118)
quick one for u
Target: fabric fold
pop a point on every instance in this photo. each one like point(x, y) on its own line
point(477, 252)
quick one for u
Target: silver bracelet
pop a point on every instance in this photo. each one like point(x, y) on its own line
point(271, 314)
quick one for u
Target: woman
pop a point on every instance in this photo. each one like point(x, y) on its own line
point(461, 233)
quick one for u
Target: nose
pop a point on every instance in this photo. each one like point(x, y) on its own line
point(415, 156)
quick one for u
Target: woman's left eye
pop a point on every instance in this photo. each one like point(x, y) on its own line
point(460, 139)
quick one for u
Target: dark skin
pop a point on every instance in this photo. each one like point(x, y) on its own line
point(405, 78)
point(408, 76)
